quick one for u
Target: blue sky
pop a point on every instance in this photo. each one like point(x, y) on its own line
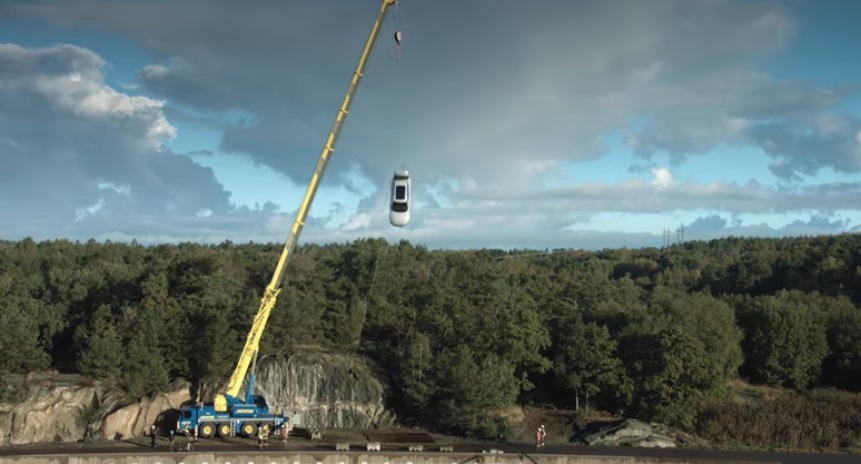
point(569, 124)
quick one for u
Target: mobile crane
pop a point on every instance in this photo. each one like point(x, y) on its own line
point(229, 414)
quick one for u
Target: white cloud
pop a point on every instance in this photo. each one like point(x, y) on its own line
point(505, 108)
point(83, 213)
point(662, 178)
point(479, 115)
point(79, 156)
point(123, 189)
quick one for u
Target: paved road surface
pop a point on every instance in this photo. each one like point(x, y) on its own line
point(274, 448)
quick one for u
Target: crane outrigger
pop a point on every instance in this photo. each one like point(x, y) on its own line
point(229, 414)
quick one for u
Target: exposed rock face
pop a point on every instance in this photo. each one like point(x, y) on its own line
point(68, 408)
point(314, 389)
point(48, 408)
point(323, 390)
point(136, 418)
point(628, 432)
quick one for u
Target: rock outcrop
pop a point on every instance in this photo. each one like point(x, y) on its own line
point(627, 432)
point(324, 390)
point(315, 389)
point(136, 418)
point(47, 408)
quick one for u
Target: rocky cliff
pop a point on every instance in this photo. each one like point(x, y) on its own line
point(135, 419)
point(322, 390)
point(49, 407)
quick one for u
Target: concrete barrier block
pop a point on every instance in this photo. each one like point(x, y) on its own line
point(374, 446)
point(446, 449)
point(416, 447)
point(342, 446)
point(316, 435)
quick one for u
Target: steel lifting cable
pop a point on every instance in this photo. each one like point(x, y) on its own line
point(398, 35)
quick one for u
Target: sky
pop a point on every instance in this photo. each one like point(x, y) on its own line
point(578, 124)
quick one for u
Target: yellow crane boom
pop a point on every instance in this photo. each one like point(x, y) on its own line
point(270, 294)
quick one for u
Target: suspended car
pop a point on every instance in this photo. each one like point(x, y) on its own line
point(399, 214)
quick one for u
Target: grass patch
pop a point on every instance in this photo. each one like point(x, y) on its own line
point(822, 420)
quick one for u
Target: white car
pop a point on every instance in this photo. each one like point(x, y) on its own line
point(399, 213)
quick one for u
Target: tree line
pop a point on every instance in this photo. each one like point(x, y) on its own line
point(458, 335)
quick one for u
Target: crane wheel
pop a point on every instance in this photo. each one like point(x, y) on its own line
point(206, 430)
point(223, 430)
point(249, 429)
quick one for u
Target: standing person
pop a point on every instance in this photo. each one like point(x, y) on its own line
point(172, 441)
point(284, 434)
point(195, 434)
point(153, 431)
point(542, 433)
point(259, 436)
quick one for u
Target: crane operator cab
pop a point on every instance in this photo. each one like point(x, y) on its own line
point(399, 214)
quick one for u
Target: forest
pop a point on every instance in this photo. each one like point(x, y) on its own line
point(656, 334)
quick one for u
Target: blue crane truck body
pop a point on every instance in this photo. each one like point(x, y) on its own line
point(242, 418)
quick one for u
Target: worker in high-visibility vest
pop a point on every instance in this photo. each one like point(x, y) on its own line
point(260, 434)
